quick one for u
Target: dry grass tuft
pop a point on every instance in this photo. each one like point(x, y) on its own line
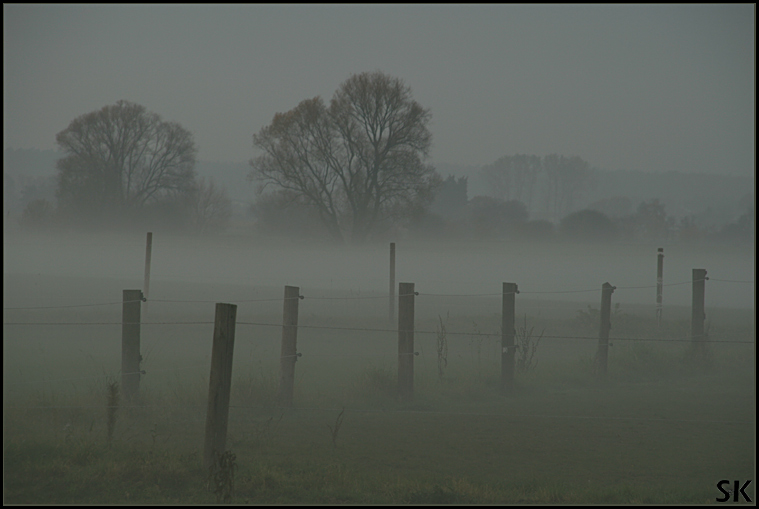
point(112, 408)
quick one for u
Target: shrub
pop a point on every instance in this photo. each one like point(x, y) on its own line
point(589, 225)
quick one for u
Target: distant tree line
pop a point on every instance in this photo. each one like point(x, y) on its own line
point(349, 170)
point(453, 214)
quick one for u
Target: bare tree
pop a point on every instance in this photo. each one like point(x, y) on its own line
point(527, 169)
point(499, 177)
point(566, 179)
point(297, 146)
point(360, 162)
point(514, 177)
point(554, 201)
point(122, 157)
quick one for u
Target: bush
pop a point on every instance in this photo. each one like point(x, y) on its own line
point(587, 225)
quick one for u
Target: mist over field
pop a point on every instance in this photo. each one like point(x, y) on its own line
point(477, 267)
point(674, 416)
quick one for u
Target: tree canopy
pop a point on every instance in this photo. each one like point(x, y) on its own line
point(122, 157)
point(359, 162)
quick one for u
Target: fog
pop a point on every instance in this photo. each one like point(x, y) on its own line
point(626, 87)
point(565, 271)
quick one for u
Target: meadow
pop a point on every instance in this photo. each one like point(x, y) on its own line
point(661, 427)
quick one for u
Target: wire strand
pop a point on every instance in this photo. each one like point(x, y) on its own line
point(378, 296)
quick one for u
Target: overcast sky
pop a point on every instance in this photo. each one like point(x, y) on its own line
point(649, 87)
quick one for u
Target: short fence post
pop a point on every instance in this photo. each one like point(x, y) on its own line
point(289, 339)
point(698, 315)
point(146, 279)
point(659, 284)
point(603, 335)
point(391, 293)
point(508, 332)
point(217, 414)
point(406, 340)
point(130, 343)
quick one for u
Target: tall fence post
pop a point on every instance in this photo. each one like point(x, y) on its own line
point(146, 279)
point(603, 334)
point(508, 332)
point(659, 284)
point(406, 340)
point(289, 339)
point(698, 314)
point(217, 414)
point(130, 343)
point(391, 293)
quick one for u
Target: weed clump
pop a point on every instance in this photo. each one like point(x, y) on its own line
point(334, 431)
point(527, 343)
point(112, 407)
point(442, 348)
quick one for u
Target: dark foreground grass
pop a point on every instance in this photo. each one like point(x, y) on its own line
point(668, 441)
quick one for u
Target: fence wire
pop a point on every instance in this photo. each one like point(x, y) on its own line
point(690, 338)
point(393, 331)
point(423, 294)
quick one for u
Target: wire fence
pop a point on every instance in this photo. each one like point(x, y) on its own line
point(349, 298)
point(380, 297)
point(352, 297)
point(369, 329)
point(201, 368)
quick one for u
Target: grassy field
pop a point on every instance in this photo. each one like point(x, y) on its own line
point(660, 428)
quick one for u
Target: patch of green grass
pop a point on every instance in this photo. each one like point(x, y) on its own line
point(590, 444)
point(83, 472)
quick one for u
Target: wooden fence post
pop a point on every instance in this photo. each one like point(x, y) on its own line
point(217, 414)
point(146, 279)
point(698, 314)
point(659, 284)
point(289, 339)
point(603, 335)
point(406, 340)
point(508, 332)
point(130, 343)
point(391, 293)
